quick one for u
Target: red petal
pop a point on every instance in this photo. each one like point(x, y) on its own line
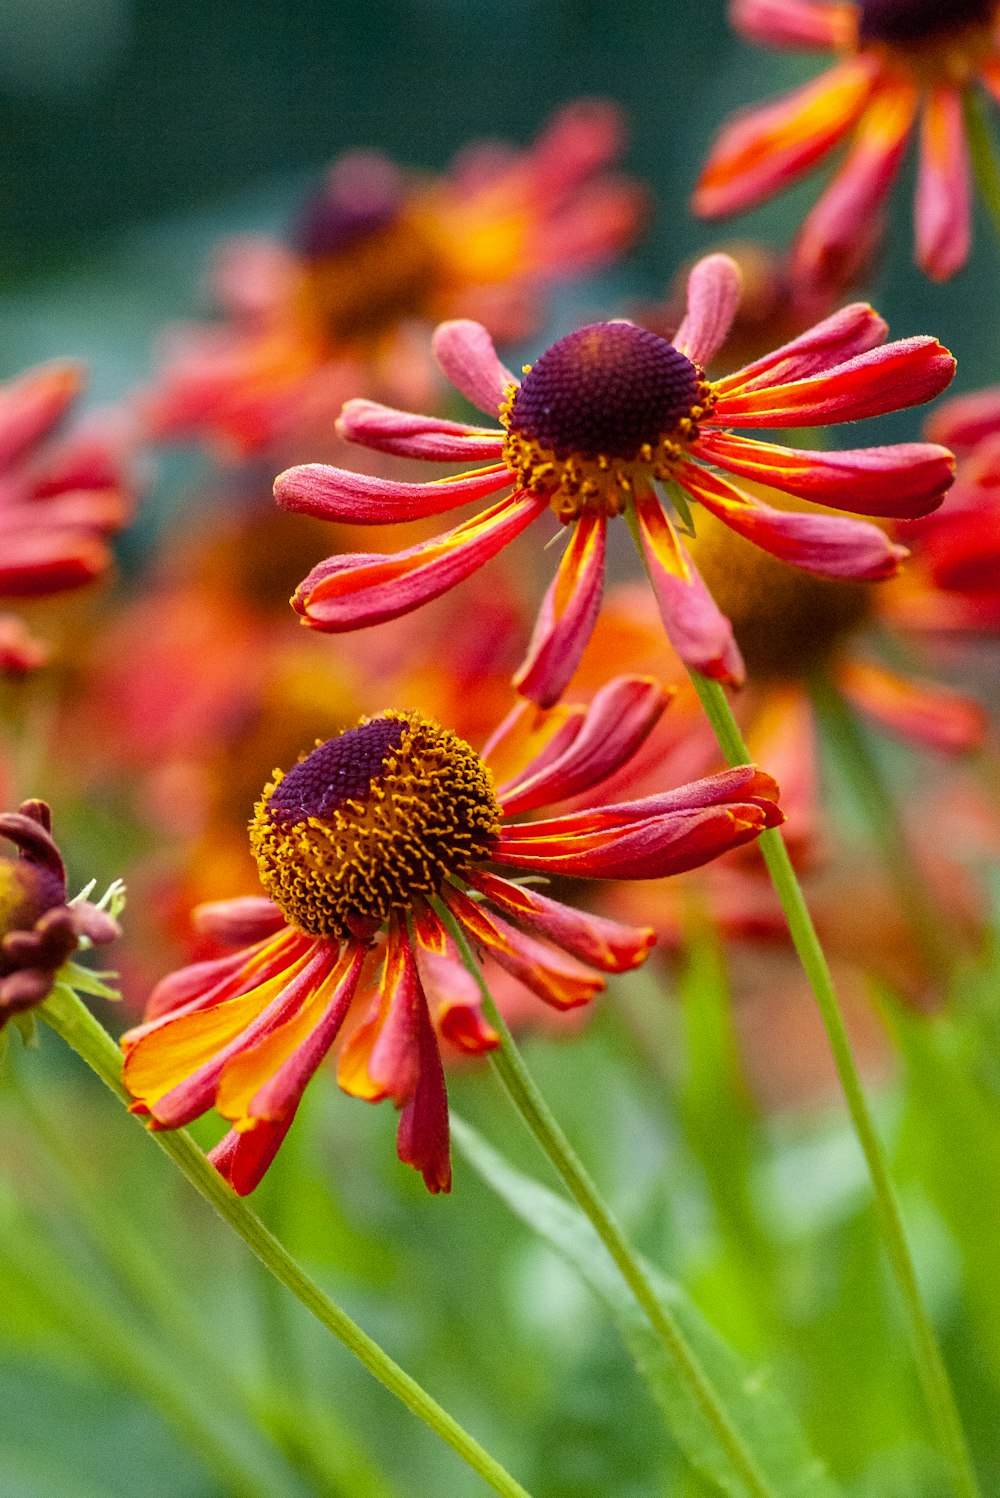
point(943, 203)
point(823, 24)
point(351, 592)
point(553, 975)
point(604, 944)
point(465, 352)
point(713, 295)
point(567, 616)
point(360, 499)
point(853, 330)
point(903, 481)
point(921, 711)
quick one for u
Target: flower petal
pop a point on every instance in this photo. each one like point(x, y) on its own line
point(903, 481)
point(553, 975)
point(243, 1159)
point(762, 150)
point(650, 848)
point(698, 630)
point(965, 420)
point(617, 722)
point(713, 295)
point(821, 24)
point(824, 544)
point(451, 990)
point(361, 499)
point(889, 378)
point(353, 591)
point(567, 615)
point(604, 944)
point(204, 983)
point(371, 424)
point(239, 922)
point(943, 202)
point(833, 243)
point(921, 711)
point(31, 405)
point(465, 352)
point(44, 560)
point(853, 330)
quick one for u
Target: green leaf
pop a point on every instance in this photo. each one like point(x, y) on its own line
point(768, 1428)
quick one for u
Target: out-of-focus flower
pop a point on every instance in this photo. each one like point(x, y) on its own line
point(40, 928)
point(615, 420)
point(376, 831)
point(954, 584)
point(902, 67)
point(61, 497)
point(375, 255)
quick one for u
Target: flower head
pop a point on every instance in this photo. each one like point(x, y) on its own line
point(615, 419)
point(373, 254)
point(902, 66)
point(360, 848)
point(40, 928)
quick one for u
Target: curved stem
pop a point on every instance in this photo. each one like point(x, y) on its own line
point(71, 1019)
point(868, 782)
point(930, 1364)
point(982, 150)
point(524, 1093)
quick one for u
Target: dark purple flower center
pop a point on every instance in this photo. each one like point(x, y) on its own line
point(606, 389)
point(361, 197)
point(339, 771)
point(907, 21)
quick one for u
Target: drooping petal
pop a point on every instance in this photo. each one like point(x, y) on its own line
point(853, 330)
point(265, 1080)
point(903, 481)
point(243, 1159)
point(172, 1067)
point(465, 352)
point(351, 592)
point(826, 25)
point(921, 711)
point(742, 783)
point(555, 976)
point(825, 544)
point(358, 498)
point(616, 723)
point(239, 922)
point(831, 246)
point(943, 202)
point(567, 615)
point(888, 378)
point(371, 424)
point(646, 849)
point(451, 990)
point(698, 630)
point(604, 944)
point(713, 295)
point(762, 150)
point(201, 984)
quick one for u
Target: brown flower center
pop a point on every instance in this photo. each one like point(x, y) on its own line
point(371, 819)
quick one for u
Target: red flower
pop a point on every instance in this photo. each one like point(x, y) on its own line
point(615, 420)
point(373, 832)
point(375, 254)
point(902, 66)
point(40, 928)
point(60, 499)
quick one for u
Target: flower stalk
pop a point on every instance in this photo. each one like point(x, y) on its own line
point(74, 1023)
point(535, 1112)
point(983, 154)
point(930, 1364)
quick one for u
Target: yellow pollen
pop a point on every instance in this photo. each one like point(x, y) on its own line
point(602, 484)
point(338, 864)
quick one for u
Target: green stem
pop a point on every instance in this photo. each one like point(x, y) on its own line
point(982, 150)
point(71, 1020)
point(933, 1374)
point(308, 1435)
point(526, 1097)
point(854, 750)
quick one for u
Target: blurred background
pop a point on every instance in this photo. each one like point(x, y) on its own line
point(134, 136)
